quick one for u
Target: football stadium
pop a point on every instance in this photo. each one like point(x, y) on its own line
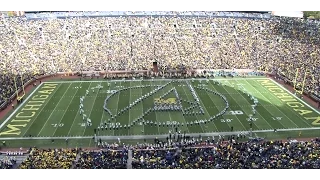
point(145, 90)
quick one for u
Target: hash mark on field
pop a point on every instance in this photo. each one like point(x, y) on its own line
point(126, 80)
point(53, 110)
point(140, 95)
point(48, 100)
point(75, 117)
point(275, 106)
point(229, 106)
point(259, 112)
point(84, 131)
point(235, 106)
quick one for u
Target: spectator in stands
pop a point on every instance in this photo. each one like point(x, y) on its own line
point(7, 163)
point(105, 159)
point(50, 159)
point(277, 45)
point(235, 155)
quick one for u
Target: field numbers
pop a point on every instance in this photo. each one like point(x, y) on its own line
point(226, 120)
point(252, 119)
point(235, 112)
point(58, 125)
point(82, 124)
point(277, 118)
point(111, 91)
point(77, 87)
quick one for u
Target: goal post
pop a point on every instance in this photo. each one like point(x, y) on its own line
point(22, 83)
point(17, 89)
point(299, 85)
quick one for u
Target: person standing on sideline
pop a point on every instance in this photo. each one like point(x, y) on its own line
point(12, 106)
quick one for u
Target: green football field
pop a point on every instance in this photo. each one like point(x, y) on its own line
point(52, 110)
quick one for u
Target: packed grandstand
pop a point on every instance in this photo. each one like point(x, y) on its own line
point(31, 47)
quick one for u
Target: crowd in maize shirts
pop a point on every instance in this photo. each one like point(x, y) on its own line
point(279, 45)
point(234, 155)
point(208, 154)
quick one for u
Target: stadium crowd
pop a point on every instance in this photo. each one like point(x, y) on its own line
point(104, 159)
point(7, 163)
point(278, 45)
point(208, 154)
point(50, 159)
point(234, 155)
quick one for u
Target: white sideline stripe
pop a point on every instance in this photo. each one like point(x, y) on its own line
point(118, 80)
point(295, 96)
point(136, 137)
point(21, 105)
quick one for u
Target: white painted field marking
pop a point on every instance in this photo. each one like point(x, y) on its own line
point(75, 117)
point(152, 80)
point(16, 110)
point(295, 96)
point(159, 136)
point(53, 110)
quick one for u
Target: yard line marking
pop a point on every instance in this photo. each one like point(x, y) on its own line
point(186, 94)
point(217, 106)
point(84, 131)
point(23, 102)
point(42, 108)
point(53, 111)
point(132, 94)
point(140, 137)
point(183, 87)
point(250, 111)
point(102, 115)
point(276, 106)
point(152, 80)
point(234, 101)
point(162, 90)
point(286, 108)
point(77, 111)
point(155, 112)
point(129, 120)
point(260, 113)
point(113, 131)
point(107, 131)
point(315, 110)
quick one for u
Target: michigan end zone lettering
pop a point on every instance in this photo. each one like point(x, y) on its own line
point(22, 118)
point(291, 101)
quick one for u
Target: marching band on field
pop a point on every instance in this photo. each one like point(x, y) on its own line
point(164, 106)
